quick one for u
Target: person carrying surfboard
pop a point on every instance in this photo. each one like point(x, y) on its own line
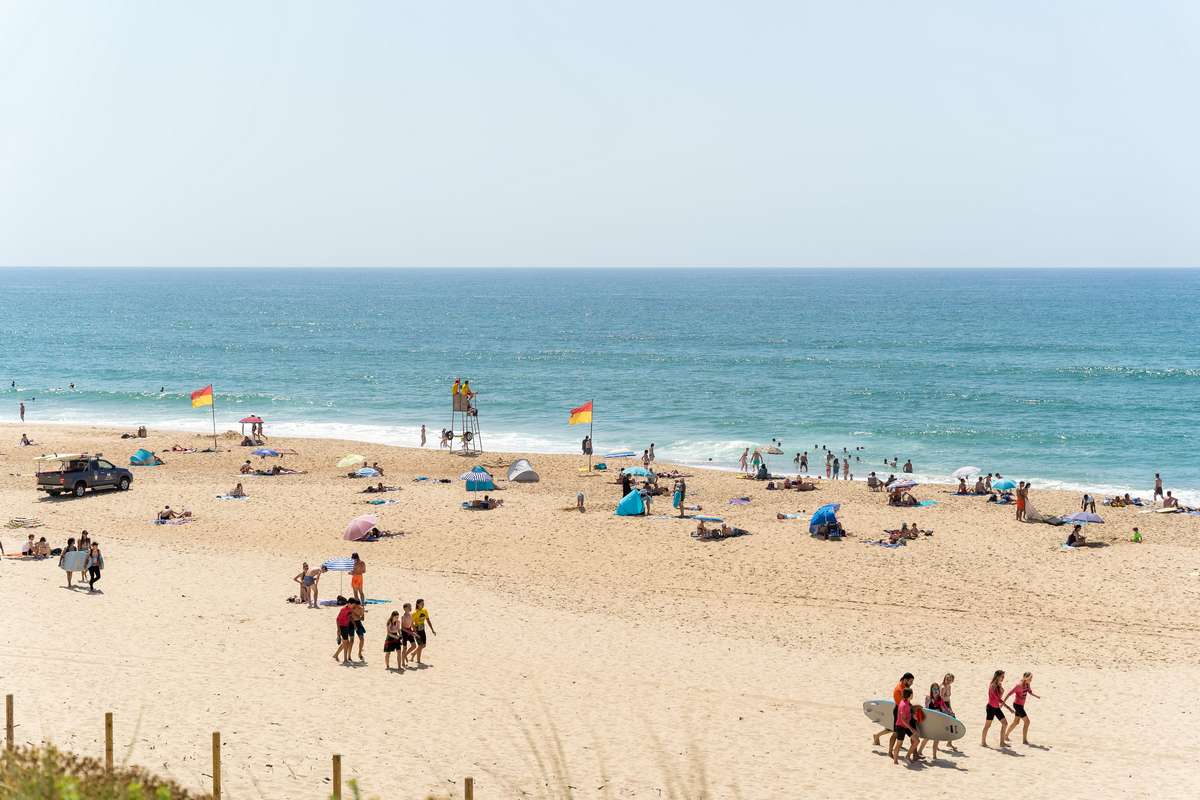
point(906, 680)
point(905, 726)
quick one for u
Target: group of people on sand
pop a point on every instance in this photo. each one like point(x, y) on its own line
point(907, 715)
point(406, 636)
point(93, 563)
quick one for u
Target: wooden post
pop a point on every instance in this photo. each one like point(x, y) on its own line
point(216, 755)
point(8, 721)
point(108, 736)
point(468, 789)
point(337, 777)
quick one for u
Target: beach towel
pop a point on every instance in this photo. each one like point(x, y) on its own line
point(388, 502)
point(792, 516)
point(23, 522)
point(420, 478)
point(181, 521)
point(886, 543)
point(370, 601)
point(675, 498)
point(739, 501)
point(926, 503)
point(232, 497)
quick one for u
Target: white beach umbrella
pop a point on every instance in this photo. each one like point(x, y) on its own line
point(966, 472)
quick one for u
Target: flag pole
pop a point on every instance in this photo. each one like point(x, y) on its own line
point(591, 441)
point(213, 406)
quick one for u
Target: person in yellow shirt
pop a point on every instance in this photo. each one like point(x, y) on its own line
point(457, 387)
point(466, 389)
point(420, 618)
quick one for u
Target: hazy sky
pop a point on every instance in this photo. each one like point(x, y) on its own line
point(565, 132)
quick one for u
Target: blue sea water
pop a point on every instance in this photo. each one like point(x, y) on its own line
point(1066, 377)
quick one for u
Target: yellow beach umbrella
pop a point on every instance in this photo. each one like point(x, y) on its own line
point(351, 460)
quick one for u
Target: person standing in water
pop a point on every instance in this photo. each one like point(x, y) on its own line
point(743, 462)
point(1158, 490)
point(1018, 693)
point(23, 413)
point(422, 436)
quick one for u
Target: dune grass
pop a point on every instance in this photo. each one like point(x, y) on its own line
point(46, 773)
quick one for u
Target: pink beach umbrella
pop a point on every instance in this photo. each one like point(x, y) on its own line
point(359, 527)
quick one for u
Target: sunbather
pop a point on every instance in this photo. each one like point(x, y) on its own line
point(167, 513)
point(1076, 537)
point(237, 491)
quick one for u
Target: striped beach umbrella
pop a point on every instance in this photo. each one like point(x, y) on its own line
point(339, 564)
point(903, 484)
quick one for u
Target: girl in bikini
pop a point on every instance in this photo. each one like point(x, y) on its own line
point(393, 642)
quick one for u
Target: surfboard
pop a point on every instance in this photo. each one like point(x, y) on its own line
point(74, 561)
point(937, 726)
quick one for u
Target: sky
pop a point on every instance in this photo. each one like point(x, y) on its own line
point(618, 133)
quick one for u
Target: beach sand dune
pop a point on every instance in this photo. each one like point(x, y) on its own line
point(618, 656)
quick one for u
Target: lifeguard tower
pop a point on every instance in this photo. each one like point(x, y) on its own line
point(464, 425)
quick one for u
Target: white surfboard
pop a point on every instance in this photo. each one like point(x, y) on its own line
point(936, 725)
point(75, 560)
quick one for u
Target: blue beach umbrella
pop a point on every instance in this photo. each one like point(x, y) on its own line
point(1005, 485)
point(266, 451)
point(478, 480)
point(367, 472)
point(640, 472)
point(339, 564)
point(620, 454)
point(1083, 518)
point(825, 515)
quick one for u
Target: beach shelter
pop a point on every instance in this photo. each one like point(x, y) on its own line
point(1083, 518)
point(250, 420)
point(351, 460)
point(478, 480)
point(966, 472)
point(521, 471)
point(142, 458)
point(902, 485)
point(825, 515)
point(632, 505)
point(620, 454)
point(638, 472)
point(367, 472)
point(360, 527)
point(1005, 485)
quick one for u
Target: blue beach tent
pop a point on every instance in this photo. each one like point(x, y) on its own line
point(632, 505)
point(825, 515)
point(142, 458)
point(480, 484)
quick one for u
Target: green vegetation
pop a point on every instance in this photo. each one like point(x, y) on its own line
point(45, 773)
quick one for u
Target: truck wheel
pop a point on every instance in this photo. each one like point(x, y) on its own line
point(80, 488)
point(124, 484)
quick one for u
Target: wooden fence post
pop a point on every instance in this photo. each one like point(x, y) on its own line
point(468, 789)
point(216, 755)
point(337, 777)
point(8, 721)
point(108, 736)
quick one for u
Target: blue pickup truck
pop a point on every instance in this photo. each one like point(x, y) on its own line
point(78, 472)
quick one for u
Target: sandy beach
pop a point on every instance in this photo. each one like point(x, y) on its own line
point(617, 656)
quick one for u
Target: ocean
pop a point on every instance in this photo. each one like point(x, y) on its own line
point(1068, 378)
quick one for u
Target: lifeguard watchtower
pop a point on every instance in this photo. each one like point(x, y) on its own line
point(464, 421)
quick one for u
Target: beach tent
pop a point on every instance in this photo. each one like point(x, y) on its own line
point(632, 505)
point(264, 452)
point(637, 472)
point(825, 515)
point(521, 471)
point(478, 480)
point(367, 472)
point(142, 458)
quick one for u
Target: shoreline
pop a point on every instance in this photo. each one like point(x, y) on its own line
point(290, 430)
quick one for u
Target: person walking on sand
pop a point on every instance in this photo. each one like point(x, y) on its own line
point(1021, 501)
point(356, 577)
point(905, 726)
point(345, 632)
point(906, 680)
point(1158, 490)
point(22, 412)
point(420, 619)
point(422, 436)
point(70, 548)
point(646, 459)
point(934, 702)
point(393, 642)
point(995, 707)
point(93, 565)
point(408, 636)
point(1088, 504)
point(1018, 693)
point(360, 630)
point(743, 462)
point(804, 462)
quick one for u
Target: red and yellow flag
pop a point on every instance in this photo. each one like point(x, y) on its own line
point(581, 414)
point(202, 397)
